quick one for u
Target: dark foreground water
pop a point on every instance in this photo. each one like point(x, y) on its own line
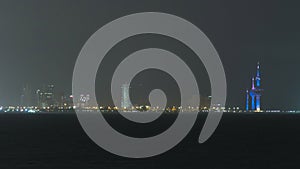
point(241, 141)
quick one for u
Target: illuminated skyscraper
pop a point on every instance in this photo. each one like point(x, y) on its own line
point(255, 92)
point(45, 97)
point(49, 95)
point(125, 102)
point(38, 95)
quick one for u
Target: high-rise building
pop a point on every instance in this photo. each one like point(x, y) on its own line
point(83, 101)
point(49, 95)
point(45, 97)
point(255, 92)
point(125, 100)
point(205, 102)
point(38, 95)
point(26, 96)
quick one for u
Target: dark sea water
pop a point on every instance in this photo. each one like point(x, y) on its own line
point(242, 141)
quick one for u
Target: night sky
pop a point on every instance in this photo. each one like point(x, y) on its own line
point(40, 41)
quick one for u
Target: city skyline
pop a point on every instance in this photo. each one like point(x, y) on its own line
point(46, 96)
point(41, 47)
point(149, 84)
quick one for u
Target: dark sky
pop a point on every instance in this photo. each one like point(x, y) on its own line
point(40, 41)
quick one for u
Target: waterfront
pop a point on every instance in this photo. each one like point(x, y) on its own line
point(241, 141)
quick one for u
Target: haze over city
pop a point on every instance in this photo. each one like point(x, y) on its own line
point(116, 84)
point(40, 42)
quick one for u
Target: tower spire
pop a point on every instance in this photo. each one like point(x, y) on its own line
point(253, 86)
point(258, 70)
point(258, 75)
point(247, 100)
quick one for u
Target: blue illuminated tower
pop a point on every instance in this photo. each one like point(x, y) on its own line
point(258, 93)
point(247, 100)
point(255, 92)
point(257, 75)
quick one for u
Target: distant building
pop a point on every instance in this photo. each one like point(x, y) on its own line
point(125, 100)
point(254, 93)
point(84, 101)
point(38, 94)
point(45, 97)
point(26, 96)
point(64, 101)
point(205, 102)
